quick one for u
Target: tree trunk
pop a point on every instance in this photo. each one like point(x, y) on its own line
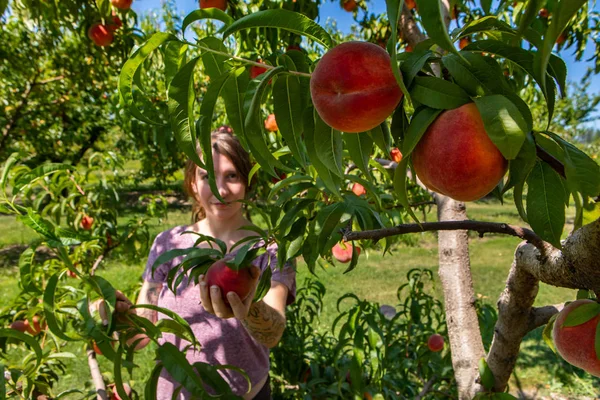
point(459, 298)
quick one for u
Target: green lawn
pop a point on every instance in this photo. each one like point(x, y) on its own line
point(376, 279)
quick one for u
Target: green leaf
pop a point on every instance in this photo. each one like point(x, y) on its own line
point(37, 173)
point(474, 74)
point(39, 224)
point(290, 180)
point(394, 10)
point(328, 146)
point(563, 13)
point(288, 107)
point(581, 314)
point(208, 13)
point(264, 284)
point(487, 378)
point(484, 24)
point(545, 203)
point(329, 220)
point(400, 187)
point(282, 19)
point(49, 308)
point(582, 172)
point(518, 198)
point(10, 162)
point(504, 123)
point(547, 334)
point(413, 64)
point(215, 64)
point(3, 7)
point(132, 65)
point(152, 382)
point(591, 212)
point(360, 147)
point(254, 125)
point(422, 118)
point(519, 168)
point(28, 339)
point(181, 105)
point(118, 375)
point(438, 93)
point(175, 317)
point(168, 256)
point(558, 70)
point(528, 16)
point(381, 137)
point(175, 362)
point(433, 22)
point(174, 59)
point(597, 341)
point(331, 180)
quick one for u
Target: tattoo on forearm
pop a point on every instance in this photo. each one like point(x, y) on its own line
point(264, 323)
point(150, 296)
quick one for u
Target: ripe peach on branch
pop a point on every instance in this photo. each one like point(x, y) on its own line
point(353, 87)
point(342, 251)
point(455, 157)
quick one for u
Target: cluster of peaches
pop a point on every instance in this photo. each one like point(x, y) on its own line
point(102, 34)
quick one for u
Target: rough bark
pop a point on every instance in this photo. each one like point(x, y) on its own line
point(576, 266)
point(459, 298)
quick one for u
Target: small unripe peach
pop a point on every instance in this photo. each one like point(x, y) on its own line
point(343, 252)
point(271, 123)
point(396, 155)
point(349, 5)
point(435, 342)
point(121, 4)
point(100, 35)
point(358, 189)
point(220, 4)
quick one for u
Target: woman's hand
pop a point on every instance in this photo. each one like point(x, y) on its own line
point(213, 302)
point(121, 306)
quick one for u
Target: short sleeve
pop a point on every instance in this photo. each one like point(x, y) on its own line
point(160, 273)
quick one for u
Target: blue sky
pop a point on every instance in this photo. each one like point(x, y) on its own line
point(329, 9)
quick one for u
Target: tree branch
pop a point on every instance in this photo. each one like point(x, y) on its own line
point(541, 315)
point(96, 374)
point(550, 160)
point(478, 226)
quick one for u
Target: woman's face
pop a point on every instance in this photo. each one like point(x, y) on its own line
point(231, 187)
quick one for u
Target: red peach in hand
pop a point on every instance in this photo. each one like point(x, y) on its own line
point(121, 4)
point(576, 344)
point(353, 87)
point(396, 155)
point(220, 4)
point(456, 157)
point(358, 189)
point(435, 342)
point(271, 123)
point(343, 252)
point(229, 280)
point(100, 35)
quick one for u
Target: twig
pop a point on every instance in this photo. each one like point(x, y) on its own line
point(96, 374)
point(76, 184)
point(97, 263)
point(478, 226)
point(550, 160)
point(541, 315)
point(426, 388)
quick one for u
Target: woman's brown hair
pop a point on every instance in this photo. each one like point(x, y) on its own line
point(225, 143)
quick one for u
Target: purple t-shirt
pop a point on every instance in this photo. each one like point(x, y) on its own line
point(223, 341)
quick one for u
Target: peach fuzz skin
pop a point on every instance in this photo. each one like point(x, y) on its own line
point(455, 157)
point(576, 343)
point(353, 87)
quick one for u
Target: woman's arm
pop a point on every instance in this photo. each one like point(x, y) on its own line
point(149, 295)
point(266, 318)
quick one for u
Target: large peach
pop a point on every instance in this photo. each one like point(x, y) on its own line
point(456, 157)
point(343, 252)
point(435, 342)
point(576, 343)
point(353, 87)
point(100, 35)
point(229, 280)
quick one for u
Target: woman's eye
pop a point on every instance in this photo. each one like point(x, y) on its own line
point(204, 177)
point(232, 176)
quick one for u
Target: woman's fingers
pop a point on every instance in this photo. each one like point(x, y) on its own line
point(205, 295)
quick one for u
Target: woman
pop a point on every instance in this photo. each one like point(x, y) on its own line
point(242, 332)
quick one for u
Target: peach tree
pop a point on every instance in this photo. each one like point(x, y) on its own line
point(366, 134)
point(456, 116)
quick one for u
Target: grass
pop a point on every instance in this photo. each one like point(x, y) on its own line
point(376, 279)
